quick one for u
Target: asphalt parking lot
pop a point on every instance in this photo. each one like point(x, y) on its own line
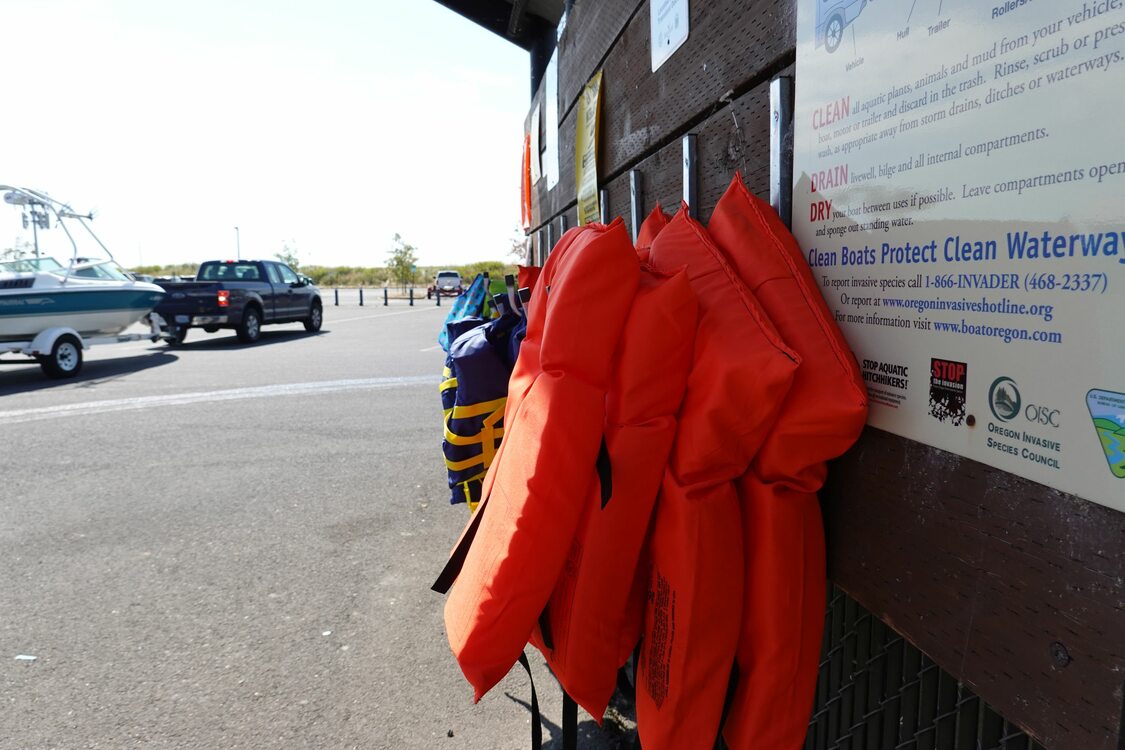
point(219, 546)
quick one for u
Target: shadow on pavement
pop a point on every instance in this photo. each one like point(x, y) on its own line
point(26, 375)
point(218, 341)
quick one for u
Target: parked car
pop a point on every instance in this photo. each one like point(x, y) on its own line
point(240, 294)
point(446, 284)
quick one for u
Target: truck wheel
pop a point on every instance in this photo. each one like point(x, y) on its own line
point(250, 329)
point(65, 359)
point(315, 319)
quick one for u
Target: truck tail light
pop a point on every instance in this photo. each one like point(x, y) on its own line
point(224, 298)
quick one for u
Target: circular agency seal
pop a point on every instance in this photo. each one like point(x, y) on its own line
point(1004, 399)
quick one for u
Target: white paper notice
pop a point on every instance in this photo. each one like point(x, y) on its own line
point(551, 121)
point(668, 28)
point(536, 168)
point(959, 182)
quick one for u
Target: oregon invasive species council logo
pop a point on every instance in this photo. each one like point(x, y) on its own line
point(1006, 403)
point(948, 386)
point(1004, 399)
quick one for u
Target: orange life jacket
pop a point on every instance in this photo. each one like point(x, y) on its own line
point(650, 227)
point(782, 533)
point(516, 544)
point(592, 622)
point(528, 276)
point(741, 372)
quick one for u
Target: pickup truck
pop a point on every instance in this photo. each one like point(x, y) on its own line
point(447, 284)
point(239, 294)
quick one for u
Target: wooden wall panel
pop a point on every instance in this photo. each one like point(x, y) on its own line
point(736, 138)
point(1011, 586)
point(733, 45)
point(591, 30)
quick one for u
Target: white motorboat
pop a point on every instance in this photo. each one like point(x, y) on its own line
point(93, 297)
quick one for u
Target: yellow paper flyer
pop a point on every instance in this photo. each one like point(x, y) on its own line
point(586, 151)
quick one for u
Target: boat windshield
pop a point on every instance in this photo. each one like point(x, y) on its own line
point(31, 265)
point(108, 271)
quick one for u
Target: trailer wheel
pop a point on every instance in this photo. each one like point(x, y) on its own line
point(250, 329)
point(179, 333)
point(65, 359)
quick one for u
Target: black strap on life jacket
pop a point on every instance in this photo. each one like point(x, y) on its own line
point(728, 703)
point(569, 722)
point(457, 558)
point(536, 723)
point(605, 472)
point(545, 629)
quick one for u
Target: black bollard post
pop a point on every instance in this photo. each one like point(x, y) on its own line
point(384, 296)
point(438, 295)
point(412, 296)
point(337, 293)
point(361, 296)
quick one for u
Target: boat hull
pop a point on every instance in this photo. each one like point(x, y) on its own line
point(91, 312)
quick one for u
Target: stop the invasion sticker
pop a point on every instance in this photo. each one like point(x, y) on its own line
point(948, 384)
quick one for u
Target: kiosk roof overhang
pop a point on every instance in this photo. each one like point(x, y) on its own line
point(522, 22)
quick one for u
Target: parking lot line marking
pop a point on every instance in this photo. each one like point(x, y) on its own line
point(377, 315)
point(233, 394)
point(430, 348)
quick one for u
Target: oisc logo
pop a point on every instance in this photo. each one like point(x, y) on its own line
point(1006, 403)
point(1004, 399)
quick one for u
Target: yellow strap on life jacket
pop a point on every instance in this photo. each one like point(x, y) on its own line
point(467, 492)
point(487, 436)
point(449, 381)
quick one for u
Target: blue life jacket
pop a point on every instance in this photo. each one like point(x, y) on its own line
point(473, 304)
point(474, 392)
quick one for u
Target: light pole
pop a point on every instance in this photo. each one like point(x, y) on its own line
point(237, 244)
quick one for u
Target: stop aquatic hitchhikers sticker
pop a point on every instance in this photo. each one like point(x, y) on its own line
point(1107, 409)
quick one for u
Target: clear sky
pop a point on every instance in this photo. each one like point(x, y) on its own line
point(329, 125)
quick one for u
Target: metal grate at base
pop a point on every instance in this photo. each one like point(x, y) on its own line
point(878, 692)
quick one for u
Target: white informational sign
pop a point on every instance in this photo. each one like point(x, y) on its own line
point(668, 28)
point(959, 192)
point(551, 121)
point(536, 168)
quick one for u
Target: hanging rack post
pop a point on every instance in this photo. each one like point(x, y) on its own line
point(635, 202)
point(691, 175)
point(603, 204)
point(781, 148)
